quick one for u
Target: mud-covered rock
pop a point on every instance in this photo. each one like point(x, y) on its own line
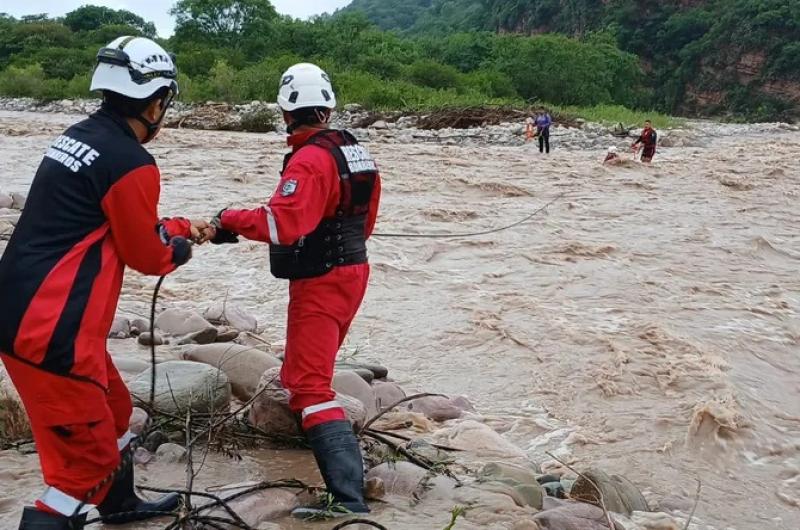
point(437, 408)
point(180, 322)
point(138, 421)
point(257, 509)
point(406, 480)
point(516, 481)
point(271, 413)
point(139, 326)
point(120, 328)
point(18, 201)
point(184, 385)
point(170, 453)
point(6, 201)
point(351, 384)
point(205, 336)
point(478, 438)
point(243, 365)
point(619, 494)
point(387, 393)
point(571, 515)
point(231, 315)
point(145, 339)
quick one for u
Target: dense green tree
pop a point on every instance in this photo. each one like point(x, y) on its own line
point(89, 18)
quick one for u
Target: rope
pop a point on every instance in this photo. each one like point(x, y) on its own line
point(153, 342)
point(475, 234)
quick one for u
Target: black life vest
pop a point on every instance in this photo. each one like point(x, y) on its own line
point(339, 240)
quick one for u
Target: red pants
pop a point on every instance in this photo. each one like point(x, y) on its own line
point(79, 430)
point(320, 313)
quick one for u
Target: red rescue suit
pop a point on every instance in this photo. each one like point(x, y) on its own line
point(91, 210)
point(329, 187)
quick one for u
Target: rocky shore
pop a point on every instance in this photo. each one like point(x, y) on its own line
point(260, 116)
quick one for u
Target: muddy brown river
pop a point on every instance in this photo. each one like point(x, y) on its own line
point(650, 314)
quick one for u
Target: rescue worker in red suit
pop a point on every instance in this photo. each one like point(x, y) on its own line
point(91, 211)
point(317, 224)
point(647, 142)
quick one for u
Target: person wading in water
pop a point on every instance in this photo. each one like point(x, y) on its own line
point(647, 141)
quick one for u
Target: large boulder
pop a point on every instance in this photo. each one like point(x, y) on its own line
point(6, 202)
point(270, 411)
point(261, 506)
point(387, 393)
point(477, 438)
point(437, 408)
point(405, 479)
point(244, 365)
point(351, 384)
point(224, 313)
point(184, 385)
point(120, 328)
point(572, 515)
point(518, 482)
point(619, 494)
point(180, 322)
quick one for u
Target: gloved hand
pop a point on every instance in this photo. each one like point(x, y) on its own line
point(181, 250)
point(222, 236)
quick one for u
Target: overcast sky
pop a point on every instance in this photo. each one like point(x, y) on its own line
point(157, 10)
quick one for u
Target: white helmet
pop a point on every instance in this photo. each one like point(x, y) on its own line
point(135, 67)
point(305, 85)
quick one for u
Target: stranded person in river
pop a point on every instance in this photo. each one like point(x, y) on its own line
point(317, 224)
point(91, 210)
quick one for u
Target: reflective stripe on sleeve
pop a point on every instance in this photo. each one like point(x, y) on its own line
point(125, 440)
point(273, 227)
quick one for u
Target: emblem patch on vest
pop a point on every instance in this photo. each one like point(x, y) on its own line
point(358, 159)
point(288, 188)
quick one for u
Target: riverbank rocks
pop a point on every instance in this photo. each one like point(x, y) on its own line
point(517, 482)
point(180, 322)
point(260, 507)
point(243, 365)
point(184, 385)
point(571, 515)
point(387, 393)
point(6, 202)
point(138, 421)
point(270, 411)
point(139, 326)
point(438, 408)
point(120, 328)
point(351, 384)
point(170, 453)
point(377, 371)
point(145, 339)
point(477, 438)
point(18, 201)
point(405, 479)
point(226, 314)
point(619, 494)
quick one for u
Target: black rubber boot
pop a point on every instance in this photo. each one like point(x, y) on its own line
point(122, 505)
point(339, 459)
point(33, 519)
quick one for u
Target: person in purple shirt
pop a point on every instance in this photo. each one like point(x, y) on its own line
point(543, 123)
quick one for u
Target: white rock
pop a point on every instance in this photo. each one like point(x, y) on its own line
point(380, 124)
point(138, 421)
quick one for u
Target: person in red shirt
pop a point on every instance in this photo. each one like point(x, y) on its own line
point(647, 141)
point(317, 224)
point(91, 211)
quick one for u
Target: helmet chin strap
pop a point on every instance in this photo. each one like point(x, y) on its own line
point(152, 127)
